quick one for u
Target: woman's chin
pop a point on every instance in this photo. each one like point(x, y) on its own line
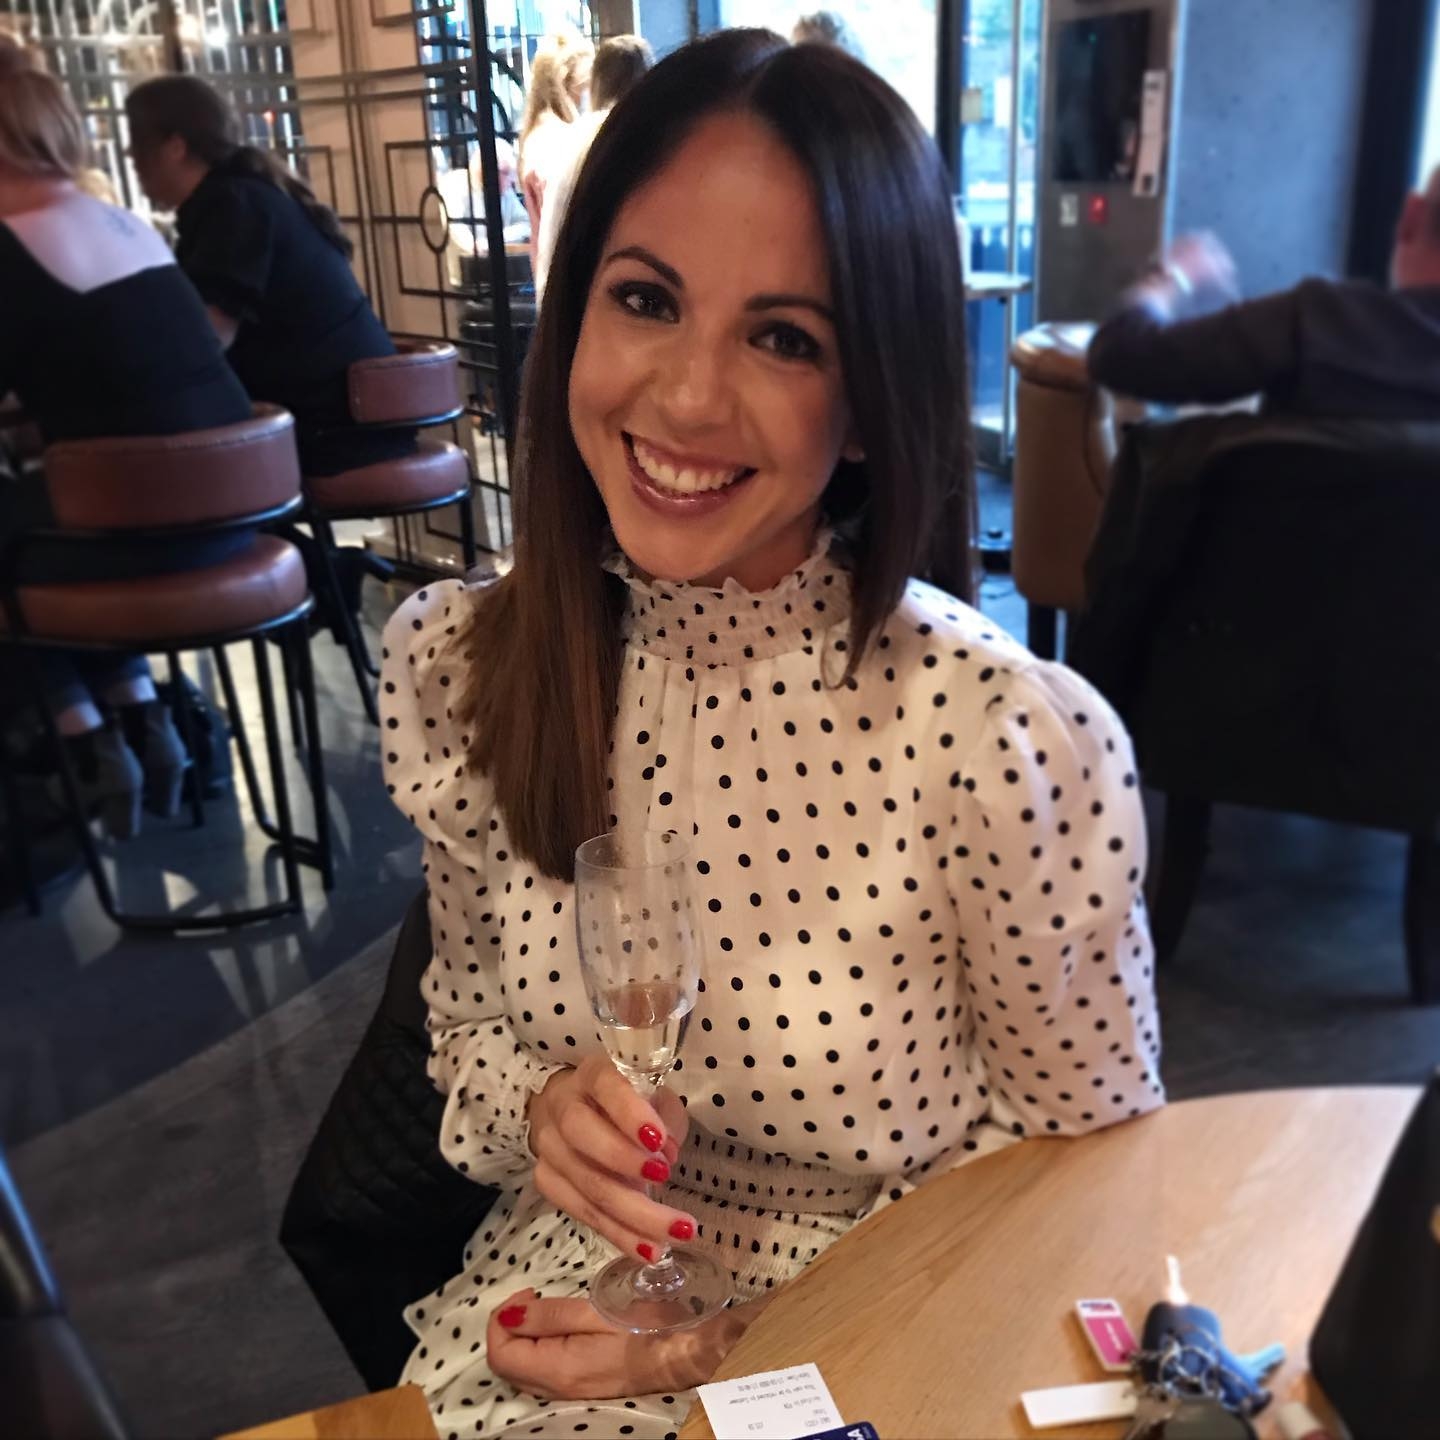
point(679, 559)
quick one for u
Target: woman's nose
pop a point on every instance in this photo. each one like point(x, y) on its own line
point(697, 389)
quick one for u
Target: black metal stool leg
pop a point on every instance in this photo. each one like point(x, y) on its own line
point(242, 740)
point(314, 753)
point(292, 705)
point(75, 806)
point(1042, 631)
point(349, 625)
point(467, 529)
point(278, 783)
point(187, 736)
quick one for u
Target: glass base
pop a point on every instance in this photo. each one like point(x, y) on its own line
point(656, 1299)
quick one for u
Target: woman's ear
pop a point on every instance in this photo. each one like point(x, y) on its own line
point(852, 450)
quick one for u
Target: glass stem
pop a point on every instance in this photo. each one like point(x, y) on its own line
point(662, 1274)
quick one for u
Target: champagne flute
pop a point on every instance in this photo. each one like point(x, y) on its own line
point(640, 952)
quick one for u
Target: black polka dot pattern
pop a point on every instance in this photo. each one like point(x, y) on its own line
point(920, 894)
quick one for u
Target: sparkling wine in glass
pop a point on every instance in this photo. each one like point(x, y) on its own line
point(641, 953)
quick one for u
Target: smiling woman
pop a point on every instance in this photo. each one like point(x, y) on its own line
point(917, 850)
point(707, 398)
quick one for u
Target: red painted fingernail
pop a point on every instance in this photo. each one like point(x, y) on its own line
point(683, 1229)
point(646, 1252)
point(656, 1170)
point(650, 1137)
point(512, 1316)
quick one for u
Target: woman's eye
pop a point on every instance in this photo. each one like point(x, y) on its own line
point(789, 342)
point(648, 302)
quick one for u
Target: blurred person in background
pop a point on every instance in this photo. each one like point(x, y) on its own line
point(557, 95)
point(825, 27)
point(1334, 348)
point(619, 63)
point(270, 261)
point(463, 190)
point(101, 334)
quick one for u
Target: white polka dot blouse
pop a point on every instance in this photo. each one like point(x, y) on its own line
point(921, 885)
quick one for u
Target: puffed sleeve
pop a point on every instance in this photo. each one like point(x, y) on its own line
point(1056, 944)
point(484, 1070)
point(226, 246)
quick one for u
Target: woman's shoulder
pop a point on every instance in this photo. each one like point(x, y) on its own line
point(973, 676)
point(424, 629)
point(425, 671)
point(932, 625)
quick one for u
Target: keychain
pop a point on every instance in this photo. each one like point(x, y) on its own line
point(1189, 1384)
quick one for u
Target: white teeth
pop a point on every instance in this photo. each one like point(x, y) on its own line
point(687, 481)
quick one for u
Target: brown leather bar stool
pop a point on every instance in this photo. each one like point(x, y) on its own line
point(415, 388)
point(1064, 445)
point(196, 485)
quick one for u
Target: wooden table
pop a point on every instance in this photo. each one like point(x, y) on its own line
point(931, 1319)
point(387, 1415)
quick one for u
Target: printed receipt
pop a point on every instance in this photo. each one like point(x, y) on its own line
point(775, 1405)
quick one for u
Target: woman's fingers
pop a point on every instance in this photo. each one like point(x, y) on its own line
point(591, 1135)
point(527, 1315)
point(673, 1116)
point(625, 1217)
point(612, 1094)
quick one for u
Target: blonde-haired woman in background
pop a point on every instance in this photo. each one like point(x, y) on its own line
point(557, 95)
point(100, 334)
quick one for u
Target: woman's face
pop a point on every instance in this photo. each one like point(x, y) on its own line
point(706, 397)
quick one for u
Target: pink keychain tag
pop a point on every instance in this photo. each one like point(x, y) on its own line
point(1109, 1335)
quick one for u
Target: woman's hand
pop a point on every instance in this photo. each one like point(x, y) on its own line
point(597, 1143)
point(563, 1350)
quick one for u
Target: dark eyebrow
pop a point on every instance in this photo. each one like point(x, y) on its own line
point(639, 252)
point(803, 302)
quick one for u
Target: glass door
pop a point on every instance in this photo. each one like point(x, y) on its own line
point(999, 121)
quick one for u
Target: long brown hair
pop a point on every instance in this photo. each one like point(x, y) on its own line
point(186, 106)
point(544, 641)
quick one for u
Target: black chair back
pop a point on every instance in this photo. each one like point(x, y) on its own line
point(377, 1218)
point(1264, 612)
point(1304, 608)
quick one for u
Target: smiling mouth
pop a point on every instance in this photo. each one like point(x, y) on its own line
point(670, 479)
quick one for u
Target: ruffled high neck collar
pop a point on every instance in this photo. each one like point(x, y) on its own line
point(731, 625)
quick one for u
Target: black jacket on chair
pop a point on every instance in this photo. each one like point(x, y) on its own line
point(376, 1217)
point(1264, 612)
point(49, 1388)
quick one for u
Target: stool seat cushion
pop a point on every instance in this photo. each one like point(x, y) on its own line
point(261, 584)
point(436, 471)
